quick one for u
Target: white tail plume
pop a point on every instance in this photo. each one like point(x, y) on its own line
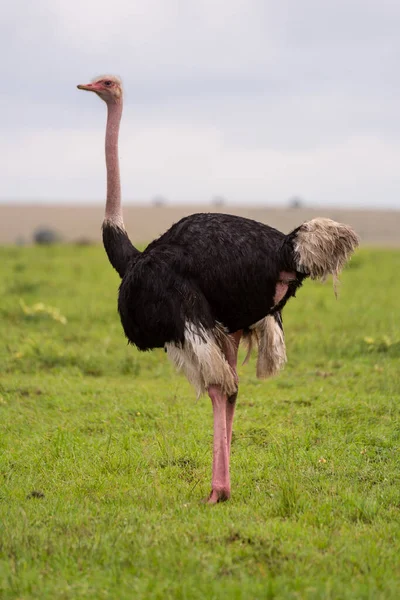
point(269, 338)
point(323, 247)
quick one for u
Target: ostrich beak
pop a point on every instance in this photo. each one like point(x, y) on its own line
point(89, 87)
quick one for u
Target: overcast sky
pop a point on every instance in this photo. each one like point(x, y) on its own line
point(253, 100)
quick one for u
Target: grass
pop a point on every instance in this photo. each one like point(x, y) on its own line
point(105, 453)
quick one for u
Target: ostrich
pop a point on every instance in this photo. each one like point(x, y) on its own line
point(207, 283)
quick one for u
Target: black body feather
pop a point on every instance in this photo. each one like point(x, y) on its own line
point(206, 269)
point(120, 251)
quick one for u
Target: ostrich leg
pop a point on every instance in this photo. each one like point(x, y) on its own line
point(231, 356)
point(223, 409)
point(221, 484)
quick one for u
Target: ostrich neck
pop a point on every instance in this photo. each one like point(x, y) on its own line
point(113, 213)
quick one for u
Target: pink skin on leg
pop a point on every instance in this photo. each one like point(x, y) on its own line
point(230, 412)
point(221, 485)
point(231, 357)
point(285, 277)
point(223, 409)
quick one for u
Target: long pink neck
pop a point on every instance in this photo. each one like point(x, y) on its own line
point(113, 213)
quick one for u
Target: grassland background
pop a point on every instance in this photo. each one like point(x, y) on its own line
point(105, 453)
point(144, 222)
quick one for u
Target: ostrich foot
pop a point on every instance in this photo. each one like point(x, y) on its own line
point(221, 495)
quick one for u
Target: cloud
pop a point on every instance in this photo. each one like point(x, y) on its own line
point(251, 99)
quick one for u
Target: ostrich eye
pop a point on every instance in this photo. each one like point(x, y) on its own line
point(108, 83)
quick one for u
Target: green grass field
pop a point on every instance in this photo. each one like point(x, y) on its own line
point(105, 454)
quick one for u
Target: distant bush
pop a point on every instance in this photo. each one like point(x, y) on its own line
point(296, 202)
point(159, 201)
point(84, 241)
point(46, 235)
point(218, 201)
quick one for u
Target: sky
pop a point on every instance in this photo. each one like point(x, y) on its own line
point(256, 101)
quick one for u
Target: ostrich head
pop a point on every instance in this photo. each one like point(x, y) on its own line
point(108, 87)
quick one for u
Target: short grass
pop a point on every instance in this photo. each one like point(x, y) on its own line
point(105, 453)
